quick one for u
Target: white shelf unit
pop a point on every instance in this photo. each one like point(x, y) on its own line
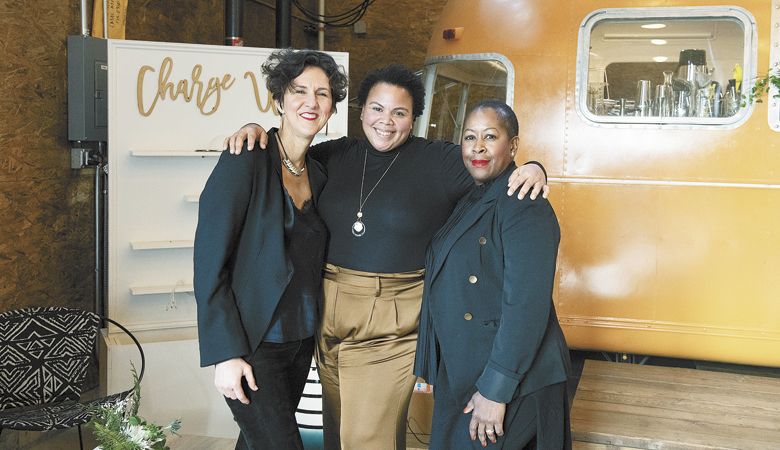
point(162, 245)
point(164, 289)
point(176, 153)
point(154, 193)
point(152, 229)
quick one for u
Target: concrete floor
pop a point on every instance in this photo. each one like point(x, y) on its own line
point(50, 440)
point(69, 439)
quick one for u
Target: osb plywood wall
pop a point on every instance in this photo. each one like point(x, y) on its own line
point(46, 224)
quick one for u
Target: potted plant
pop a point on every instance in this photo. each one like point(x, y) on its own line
point(763, 84)
point(118, 426)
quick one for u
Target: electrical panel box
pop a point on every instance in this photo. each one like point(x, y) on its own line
point(87, 89)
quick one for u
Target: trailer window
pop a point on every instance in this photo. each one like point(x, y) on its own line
point(454, 84)
point(666, 66)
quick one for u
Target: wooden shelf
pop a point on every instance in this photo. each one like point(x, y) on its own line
point(176, 153)
point(164, 289)
point(161, 245)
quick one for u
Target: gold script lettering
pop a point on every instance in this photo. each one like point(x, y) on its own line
point(258, 100)
point(210, 93)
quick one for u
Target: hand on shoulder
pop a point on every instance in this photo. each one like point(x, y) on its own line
point(249, 134)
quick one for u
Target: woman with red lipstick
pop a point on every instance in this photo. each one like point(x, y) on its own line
point(259, 250)
point(489, 338)
point(385, 197)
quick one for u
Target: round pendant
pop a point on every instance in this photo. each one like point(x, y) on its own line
point(358, 229)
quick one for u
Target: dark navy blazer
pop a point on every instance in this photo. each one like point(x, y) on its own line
point(241, 267)
point(487, 310)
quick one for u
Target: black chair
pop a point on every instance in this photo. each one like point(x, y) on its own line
point(44, 356)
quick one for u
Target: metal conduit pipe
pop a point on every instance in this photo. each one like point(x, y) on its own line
point(104, 230)
point(234, 20)
point(321, 28)
point(99, 214)
point(85, 30)
point(283, 24)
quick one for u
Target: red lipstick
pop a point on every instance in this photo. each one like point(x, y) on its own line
point(479, 162)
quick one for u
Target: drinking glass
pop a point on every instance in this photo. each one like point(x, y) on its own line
point(644, 98)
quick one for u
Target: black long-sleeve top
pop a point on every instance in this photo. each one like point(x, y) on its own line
point(411, 202)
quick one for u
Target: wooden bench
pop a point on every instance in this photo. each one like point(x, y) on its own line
point(650, 407)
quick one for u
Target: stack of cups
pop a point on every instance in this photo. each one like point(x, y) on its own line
point(664, 97)
point(644, 102)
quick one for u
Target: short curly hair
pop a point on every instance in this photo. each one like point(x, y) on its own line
point(504, 112)
point(396, 75)
point(284, 66)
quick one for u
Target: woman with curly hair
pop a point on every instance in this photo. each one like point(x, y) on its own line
point(259, 251)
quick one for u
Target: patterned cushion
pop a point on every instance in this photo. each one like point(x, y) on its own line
point(44, 355)
point(49, 417)
point(59, 415)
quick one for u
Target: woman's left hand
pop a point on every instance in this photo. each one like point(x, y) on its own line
point(528, 177)
point(487, 418)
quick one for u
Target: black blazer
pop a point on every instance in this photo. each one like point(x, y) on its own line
point(487, 310)
point(241, 266)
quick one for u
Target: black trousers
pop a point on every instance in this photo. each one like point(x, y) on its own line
point(268, 421)
point(538, 420)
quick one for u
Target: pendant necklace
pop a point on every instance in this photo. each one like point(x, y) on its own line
point(286, 160)
point(359, 228)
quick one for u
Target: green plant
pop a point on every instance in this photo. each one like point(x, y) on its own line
point(119, 427)
point(761, 86)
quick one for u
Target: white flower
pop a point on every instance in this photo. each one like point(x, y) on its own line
point(138, 435)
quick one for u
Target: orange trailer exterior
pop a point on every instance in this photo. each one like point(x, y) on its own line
point(670, 235)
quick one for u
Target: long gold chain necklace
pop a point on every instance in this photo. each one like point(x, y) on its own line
point(359, 228)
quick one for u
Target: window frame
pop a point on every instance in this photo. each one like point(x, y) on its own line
point(750, 51)
point(429, 72)
point(773, 113)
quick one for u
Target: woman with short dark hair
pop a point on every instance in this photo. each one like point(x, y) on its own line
point(259, 249)
point(490, 341)
point(395, 75)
